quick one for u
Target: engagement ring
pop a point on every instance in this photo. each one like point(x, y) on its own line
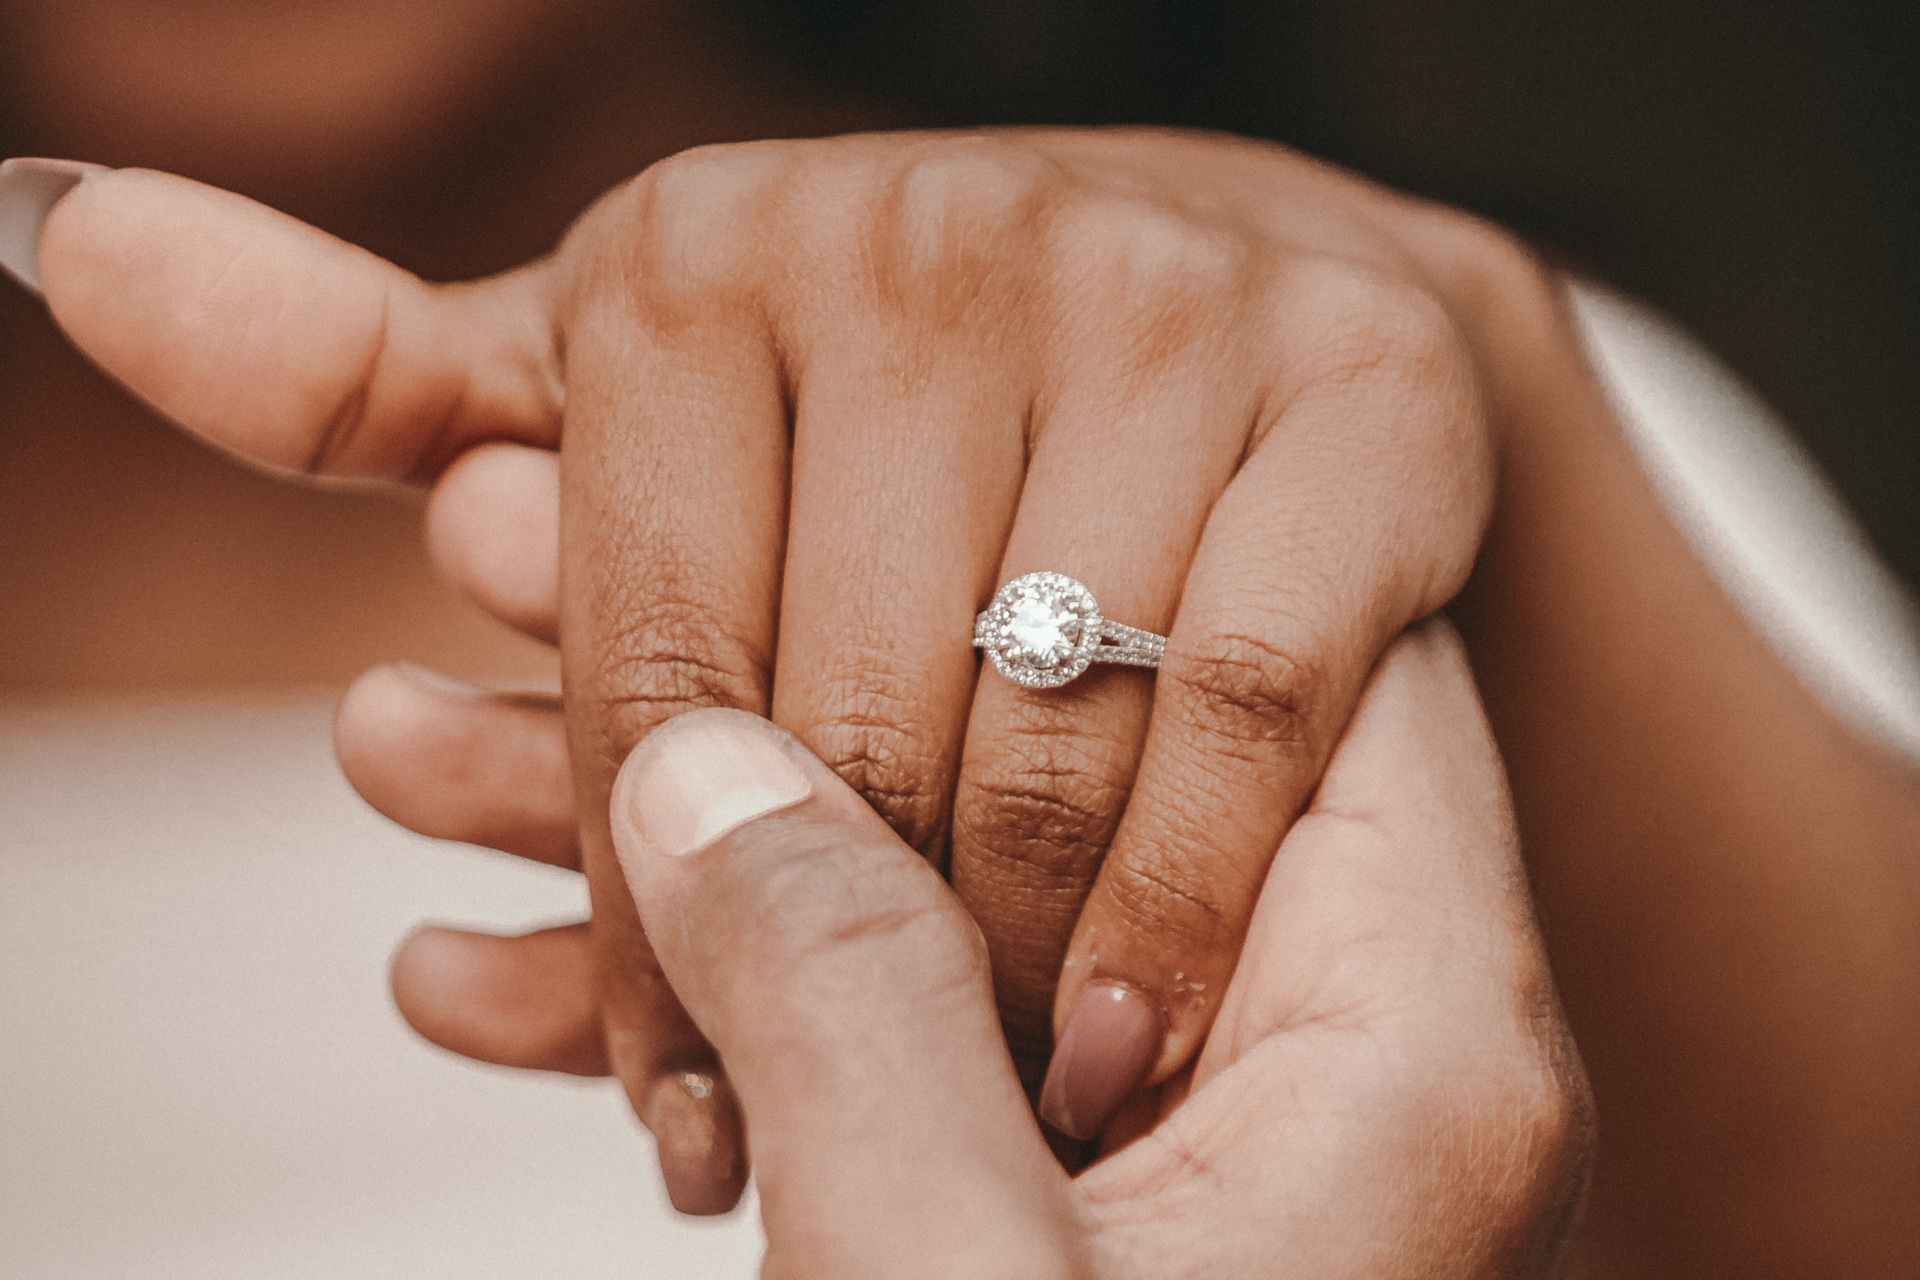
point(1044, 629)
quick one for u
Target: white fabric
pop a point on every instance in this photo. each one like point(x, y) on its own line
point(1762, 519)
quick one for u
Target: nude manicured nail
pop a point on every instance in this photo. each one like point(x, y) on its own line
point(1112, 1037)
point(29, 188)
point(698, 780)
point(703, 1157)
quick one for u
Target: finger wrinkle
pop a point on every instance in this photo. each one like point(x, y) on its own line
point(623, 718)
point(1241, 691)
point(1029, 820)
point(667, 656)
point(819, 907)
point(1164, 904)
point(1019, 881)
point(442, 443)
point(351, 413)
point(893, 769)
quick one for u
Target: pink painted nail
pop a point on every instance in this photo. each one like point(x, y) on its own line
point(696, 1126)
point(29, 188)
point(1112, 1038)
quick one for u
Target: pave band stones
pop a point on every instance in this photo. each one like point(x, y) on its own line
point(1044, 629)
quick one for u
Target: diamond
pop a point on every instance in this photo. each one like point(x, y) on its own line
point(1041, 630)
point(1042, 625)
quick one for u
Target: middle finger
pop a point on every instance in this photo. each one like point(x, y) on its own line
point(909, 443)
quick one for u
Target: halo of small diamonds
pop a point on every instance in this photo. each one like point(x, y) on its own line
point(1041, 630)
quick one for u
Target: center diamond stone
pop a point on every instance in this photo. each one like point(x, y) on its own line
point(1044, 627)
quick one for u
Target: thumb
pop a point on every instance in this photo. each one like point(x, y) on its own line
point(848, 995)
point(272, 339)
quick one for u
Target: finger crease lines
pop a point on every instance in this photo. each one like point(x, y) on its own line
point(352, 414)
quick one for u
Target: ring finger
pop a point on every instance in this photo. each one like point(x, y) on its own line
point(1046, 773)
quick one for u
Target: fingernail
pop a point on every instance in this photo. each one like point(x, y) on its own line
point(29, 188)
point(696, 1126)
point(438, 681)
point(1112, 1037)
point(704, 775)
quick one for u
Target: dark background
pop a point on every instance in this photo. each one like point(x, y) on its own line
point(1750, 166)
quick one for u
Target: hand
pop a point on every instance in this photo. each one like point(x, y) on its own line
point(1389, 1089)
point(1727, 866)
point(1295, 339)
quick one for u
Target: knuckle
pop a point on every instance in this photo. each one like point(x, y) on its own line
point(820, 902)
point(1245, 696)
point(1136, 244)
point(1542, 1124)
point(1494, 252)
point(895, 766)
point(1482, 260)
point(1524, 1094)
point(871, 713)
point(665, 656)
point(1387, 367)
point(1150, 270)
point(1554, 1119)
point(694, 226)
point(1521, 1153)
point(1037, 808)
point(954, 218)
point(1374, 323)
point(970, 182)
point(1558, 1113)
point(1040, 811)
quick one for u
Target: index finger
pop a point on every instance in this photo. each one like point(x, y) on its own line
point(284, 345)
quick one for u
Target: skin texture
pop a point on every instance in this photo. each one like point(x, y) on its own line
point(925, 360)
point(1389, 1089)
point(1725, 872)
point(1099, 256)
point(460, 137)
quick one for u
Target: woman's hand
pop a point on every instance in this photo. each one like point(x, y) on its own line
point(1388, 1090)
point(823, 397)
point(818, 399)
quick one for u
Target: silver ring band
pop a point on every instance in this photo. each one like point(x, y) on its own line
point(1044, 629)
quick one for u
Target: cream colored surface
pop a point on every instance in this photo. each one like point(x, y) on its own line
point(201, 1073)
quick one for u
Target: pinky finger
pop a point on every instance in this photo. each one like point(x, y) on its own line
point(523, 1001)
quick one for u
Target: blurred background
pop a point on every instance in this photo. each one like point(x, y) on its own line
point(1750, 166)
point(202, 1076)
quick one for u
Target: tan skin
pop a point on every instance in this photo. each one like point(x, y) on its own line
point(1688, 803)
point(1727, 876)
point(1383, 1094)
point(458, 137)
point(1109, 259)
point(1678, 788)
